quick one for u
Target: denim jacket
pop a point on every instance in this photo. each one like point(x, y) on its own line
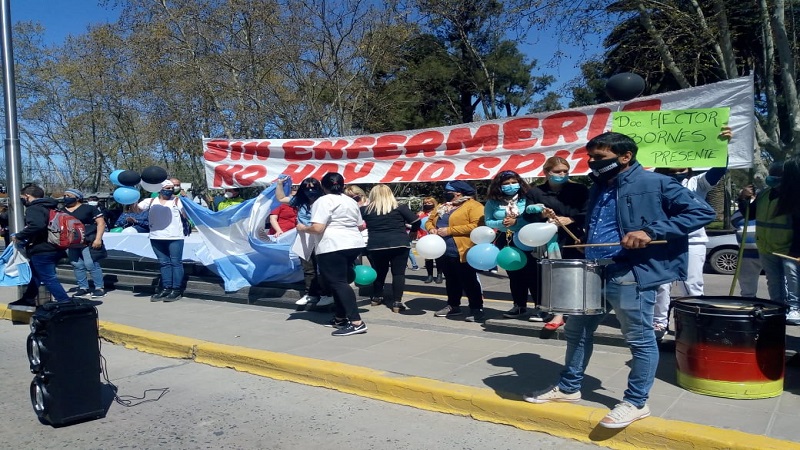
point(666, 210)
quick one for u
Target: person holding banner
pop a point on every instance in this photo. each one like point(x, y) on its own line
point(701, 184)
point(454, 221)
point(628, 208)
point(336, 218)
point(777, 214)
point(301, 201)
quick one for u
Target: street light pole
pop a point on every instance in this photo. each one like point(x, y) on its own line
point(13, 157)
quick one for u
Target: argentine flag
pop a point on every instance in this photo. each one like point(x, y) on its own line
point(235, 242)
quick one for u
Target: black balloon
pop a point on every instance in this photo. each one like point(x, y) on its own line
point(624, 86)
point(129, 178)
point(154, 175)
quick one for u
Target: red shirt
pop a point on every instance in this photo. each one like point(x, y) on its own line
point(287, 218)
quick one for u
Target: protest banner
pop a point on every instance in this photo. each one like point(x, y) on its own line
point(471, 151)
point(681, 138)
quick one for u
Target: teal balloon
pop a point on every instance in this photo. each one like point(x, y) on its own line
point(114, 177)
point(483, 256)
point(365, 275)
point(511, 258)
point(125, 195)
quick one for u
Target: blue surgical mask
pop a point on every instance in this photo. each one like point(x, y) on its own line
point(69, 201)
point(510, 189)
point(772, 181)
point(558, 179)
point(167, 193)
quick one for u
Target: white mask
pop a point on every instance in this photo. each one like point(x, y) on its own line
point(228, 195)
point(92, 203)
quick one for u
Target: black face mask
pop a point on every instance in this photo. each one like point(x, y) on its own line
point(25, 202)
point(427, 208)
point(69, 201)
point(605, 169)
point(449, 196)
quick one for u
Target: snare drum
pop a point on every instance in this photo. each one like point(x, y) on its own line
point(572, 286)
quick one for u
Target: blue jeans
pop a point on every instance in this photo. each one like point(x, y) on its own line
point(634, 308)
point(782, 279)
point(81, 260)
point(170, 254)
point(43, 271)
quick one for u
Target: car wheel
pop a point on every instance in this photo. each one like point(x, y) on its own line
point(723, 261)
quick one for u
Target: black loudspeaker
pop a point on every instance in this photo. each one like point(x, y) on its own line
point(64, 354)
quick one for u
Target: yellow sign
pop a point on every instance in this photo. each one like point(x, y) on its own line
point(677, 138)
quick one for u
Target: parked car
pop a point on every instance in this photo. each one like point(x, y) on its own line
point(722, 250)
point(722, 253)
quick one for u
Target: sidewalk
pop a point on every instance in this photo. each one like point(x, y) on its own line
point(446, 365)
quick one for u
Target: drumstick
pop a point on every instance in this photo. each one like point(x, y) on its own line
point(608, 244)
point(575, 238)
point(787, 257)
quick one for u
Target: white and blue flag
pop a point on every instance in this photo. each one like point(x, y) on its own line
point(235, 243)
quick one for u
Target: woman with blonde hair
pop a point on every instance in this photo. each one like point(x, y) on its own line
point(389, 242)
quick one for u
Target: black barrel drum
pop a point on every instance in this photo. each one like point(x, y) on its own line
point(730, 347)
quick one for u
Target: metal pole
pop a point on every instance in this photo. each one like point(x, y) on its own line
point(13, 157)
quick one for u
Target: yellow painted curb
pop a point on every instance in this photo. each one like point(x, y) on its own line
point(564, 420)
point(149, 341)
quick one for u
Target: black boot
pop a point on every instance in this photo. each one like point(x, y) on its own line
point(429, 279)
point(173, 296)
point(159, 296)
point(439, 278)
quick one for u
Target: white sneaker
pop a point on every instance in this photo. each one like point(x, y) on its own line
point(552, 395)
point(793, 317)
point(623, 415)
point(325, 300)
point(304, 300)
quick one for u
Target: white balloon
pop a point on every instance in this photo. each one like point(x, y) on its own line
point(431, 246)
point(129, 230)
point(150, 187)
point(482, 235)
point(536, 234)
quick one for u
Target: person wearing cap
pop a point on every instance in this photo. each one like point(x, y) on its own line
point(165, 213)
point(231, 198)
point(43, 255)
point(454, 220)
point(81, 258)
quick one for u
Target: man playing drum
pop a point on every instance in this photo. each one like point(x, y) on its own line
point(631, 207)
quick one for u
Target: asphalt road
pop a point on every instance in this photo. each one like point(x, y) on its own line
point(216, 408)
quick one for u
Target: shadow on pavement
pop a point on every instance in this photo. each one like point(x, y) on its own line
point(530, 372)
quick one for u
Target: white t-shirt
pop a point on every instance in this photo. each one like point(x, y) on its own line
point(164, 217)
point(700, 186)
point(341, 216)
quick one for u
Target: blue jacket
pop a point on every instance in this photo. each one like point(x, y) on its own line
point(666, 211)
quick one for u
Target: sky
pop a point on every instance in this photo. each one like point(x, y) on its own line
point(62, 18)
